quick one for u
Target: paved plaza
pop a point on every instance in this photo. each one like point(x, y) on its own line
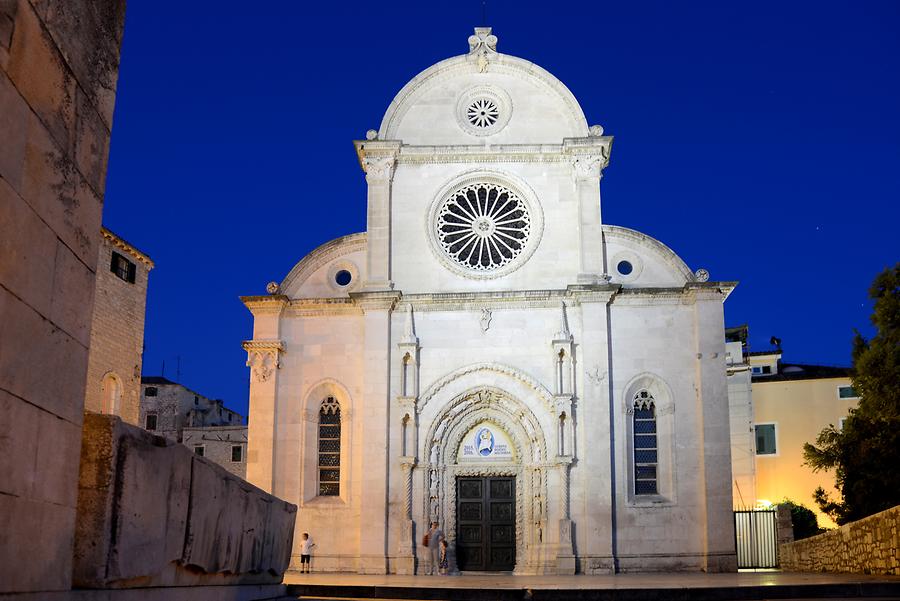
point(671, 586)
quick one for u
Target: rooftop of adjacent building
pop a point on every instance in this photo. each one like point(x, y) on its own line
point(161, 381)
point(767, 366)
point(114, 239)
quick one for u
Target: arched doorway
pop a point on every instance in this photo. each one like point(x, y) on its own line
point(487, 483)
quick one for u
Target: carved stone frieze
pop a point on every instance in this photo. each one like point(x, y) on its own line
point(539, 389)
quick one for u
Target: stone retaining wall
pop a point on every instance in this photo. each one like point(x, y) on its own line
point(867, 546)
point(151, 513)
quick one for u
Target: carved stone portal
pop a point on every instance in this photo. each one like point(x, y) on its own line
point(528, 462)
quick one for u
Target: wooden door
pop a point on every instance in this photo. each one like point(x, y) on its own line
point(486, 523)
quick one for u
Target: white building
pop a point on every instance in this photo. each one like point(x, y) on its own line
point(489, 354)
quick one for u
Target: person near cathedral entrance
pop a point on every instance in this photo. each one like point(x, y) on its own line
point(306, 553)
point(433, 542)
point(444, 564)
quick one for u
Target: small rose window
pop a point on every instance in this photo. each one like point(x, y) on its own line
point(483, 112)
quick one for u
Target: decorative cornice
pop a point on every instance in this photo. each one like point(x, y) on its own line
point(476, 301)
point(321, 307)
point(263, 345)
point(376, 300)
point(503, 153)
point(265, 305)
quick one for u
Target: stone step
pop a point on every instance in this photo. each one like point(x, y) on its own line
point(872, 591)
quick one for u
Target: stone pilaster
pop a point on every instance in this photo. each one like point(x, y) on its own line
point(598, 485)
point(713, 432)
point(264, 360)
point(589, 156)
point(378, 159)
point(375, 414)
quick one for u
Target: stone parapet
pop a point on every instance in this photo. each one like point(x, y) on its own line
point(867, 546)
point(151, 513)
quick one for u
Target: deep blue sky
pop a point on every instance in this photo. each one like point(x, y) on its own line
point(760, 140)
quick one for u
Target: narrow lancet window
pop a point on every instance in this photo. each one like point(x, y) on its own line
point(646, 454)
point(330, 448)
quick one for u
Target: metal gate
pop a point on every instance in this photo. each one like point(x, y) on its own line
point(756, 539)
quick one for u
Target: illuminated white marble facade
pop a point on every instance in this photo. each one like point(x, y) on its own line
point(544, 340)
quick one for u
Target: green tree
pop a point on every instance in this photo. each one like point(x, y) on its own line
point(804, 520)
point(865, 455)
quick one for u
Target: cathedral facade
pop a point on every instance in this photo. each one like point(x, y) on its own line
point(491, 356)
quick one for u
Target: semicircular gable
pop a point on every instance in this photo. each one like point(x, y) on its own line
point(311, 276)
point(651, 263)
point(542, 109)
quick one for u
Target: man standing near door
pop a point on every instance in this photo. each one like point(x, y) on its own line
point(435, 536)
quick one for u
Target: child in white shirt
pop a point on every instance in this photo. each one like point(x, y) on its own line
point(305, 553)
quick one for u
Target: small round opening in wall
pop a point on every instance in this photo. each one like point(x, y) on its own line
point(343, 277)
point(625, 267)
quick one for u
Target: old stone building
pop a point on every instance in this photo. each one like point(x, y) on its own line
point(168, 407)
point(226, 445)
point(117, 329)
point(491, 355)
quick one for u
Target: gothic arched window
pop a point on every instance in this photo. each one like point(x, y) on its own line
point(330, 448)
point(646, 453)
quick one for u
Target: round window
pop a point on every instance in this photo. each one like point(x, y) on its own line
point(483, 226)
point(625, 267)
point(343, 277)
point(484, 112)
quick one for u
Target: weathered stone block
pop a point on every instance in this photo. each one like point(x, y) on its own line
point(151, 513)
point(37, 549)
point(41, 76)
point(54, 188)
point(26, 255)
point(13, 124)
point(154, 487)
point(49, 351)
point(88, 35)
point(91, 143)
point(18, 445)
point(73, 289)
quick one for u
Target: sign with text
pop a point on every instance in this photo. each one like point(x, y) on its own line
point(485, 441)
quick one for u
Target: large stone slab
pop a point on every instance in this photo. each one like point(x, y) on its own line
point(152, 513)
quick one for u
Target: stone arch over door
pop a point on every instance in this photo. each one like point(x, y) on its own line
point(529, 465)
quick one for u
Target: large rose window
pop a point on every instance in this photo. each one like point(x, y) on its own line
point(483, 226)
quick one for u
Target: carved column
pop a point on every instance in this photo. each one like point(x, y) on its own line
point(407, 551)
point(378, 159)
point(565, 555)
point(589, 156)
point(264, 360)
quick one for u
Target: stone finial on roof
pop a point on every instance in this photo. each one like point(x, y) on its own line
point(482, 45)
point(482, 40)
point(563, 333)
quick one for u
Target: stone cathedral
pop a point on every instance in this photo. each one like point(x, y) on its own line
point(490, 355)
